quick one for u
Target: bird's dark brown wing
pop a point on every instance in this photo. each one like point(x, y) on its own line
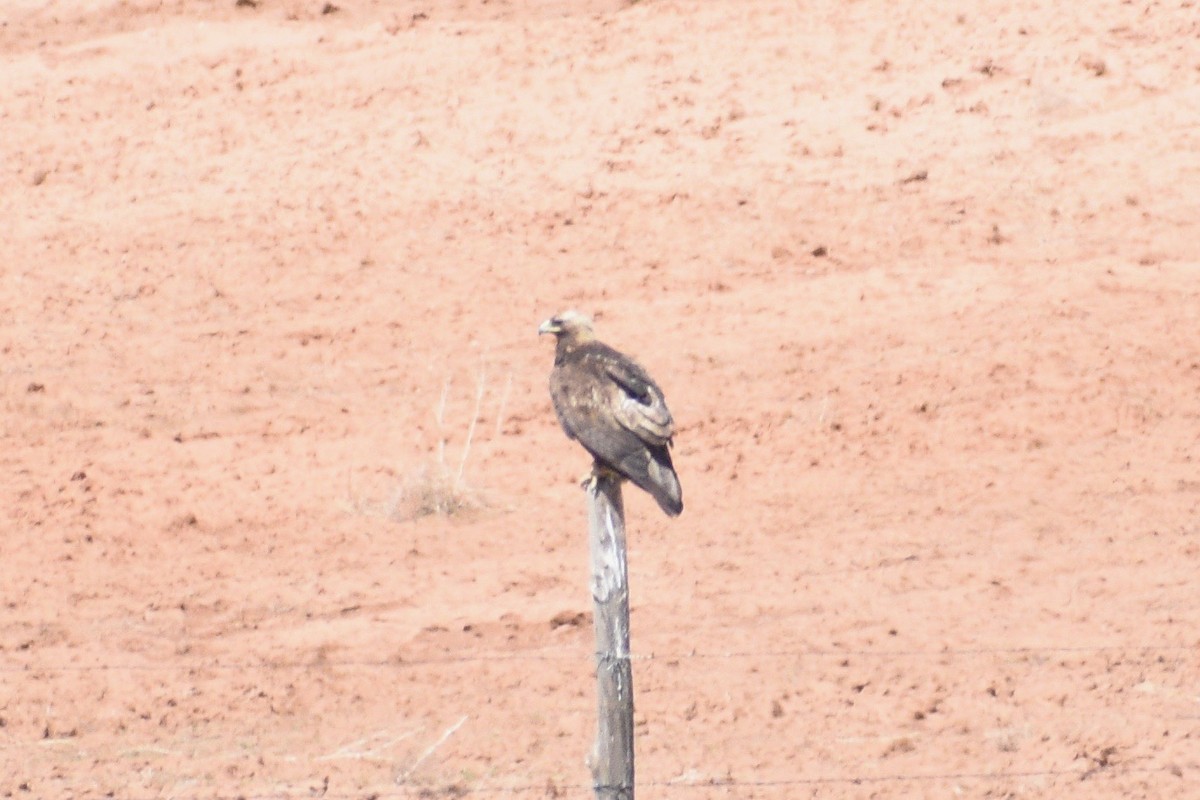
point(608, 403)
point(639, 406)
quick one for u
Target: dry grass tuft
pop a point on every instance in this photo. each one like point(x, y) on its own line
point(434, 490)
point(440, 487)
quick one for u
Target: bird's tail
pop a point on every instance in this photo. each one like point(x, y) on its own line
point(655, 474)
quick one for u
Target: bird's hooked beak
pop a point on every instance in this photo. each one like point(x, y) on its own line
point(550, 326)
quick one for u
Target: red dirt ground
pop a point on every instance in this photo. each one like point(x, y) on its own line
point(921, 285)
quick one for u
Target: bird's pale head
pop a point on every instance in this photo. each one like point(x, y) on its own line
point(569, 324)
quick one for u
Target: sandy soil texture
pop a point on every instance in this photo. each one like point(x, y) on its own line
point(285, 510)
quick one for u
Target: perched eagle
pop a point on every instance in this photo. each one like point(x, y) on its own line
point(606, 401)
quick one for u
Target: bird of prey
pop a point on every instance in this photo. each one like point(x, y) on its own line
point(611, 406)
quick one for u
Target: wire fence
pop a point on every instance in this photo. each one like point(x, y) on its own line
point(685, 786)
point(574, 654)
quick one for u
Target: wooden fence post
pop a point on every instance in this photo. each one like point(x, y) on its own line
point(611, 759)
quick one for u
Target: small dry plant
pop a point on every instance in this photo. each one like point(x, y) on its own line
point(441, 487)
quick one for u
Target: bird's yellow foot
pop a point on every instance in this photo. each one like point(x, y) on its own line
point(599, 472)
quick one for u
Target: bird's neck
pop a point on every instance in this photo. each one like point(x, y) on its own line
point(567, 345)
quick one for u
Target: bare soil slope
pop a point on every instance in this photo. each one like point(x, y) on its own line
point(921, 285)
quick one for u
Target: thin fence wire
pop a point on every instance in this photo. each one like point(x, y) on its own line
point(572, 654)
point(558, 789)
